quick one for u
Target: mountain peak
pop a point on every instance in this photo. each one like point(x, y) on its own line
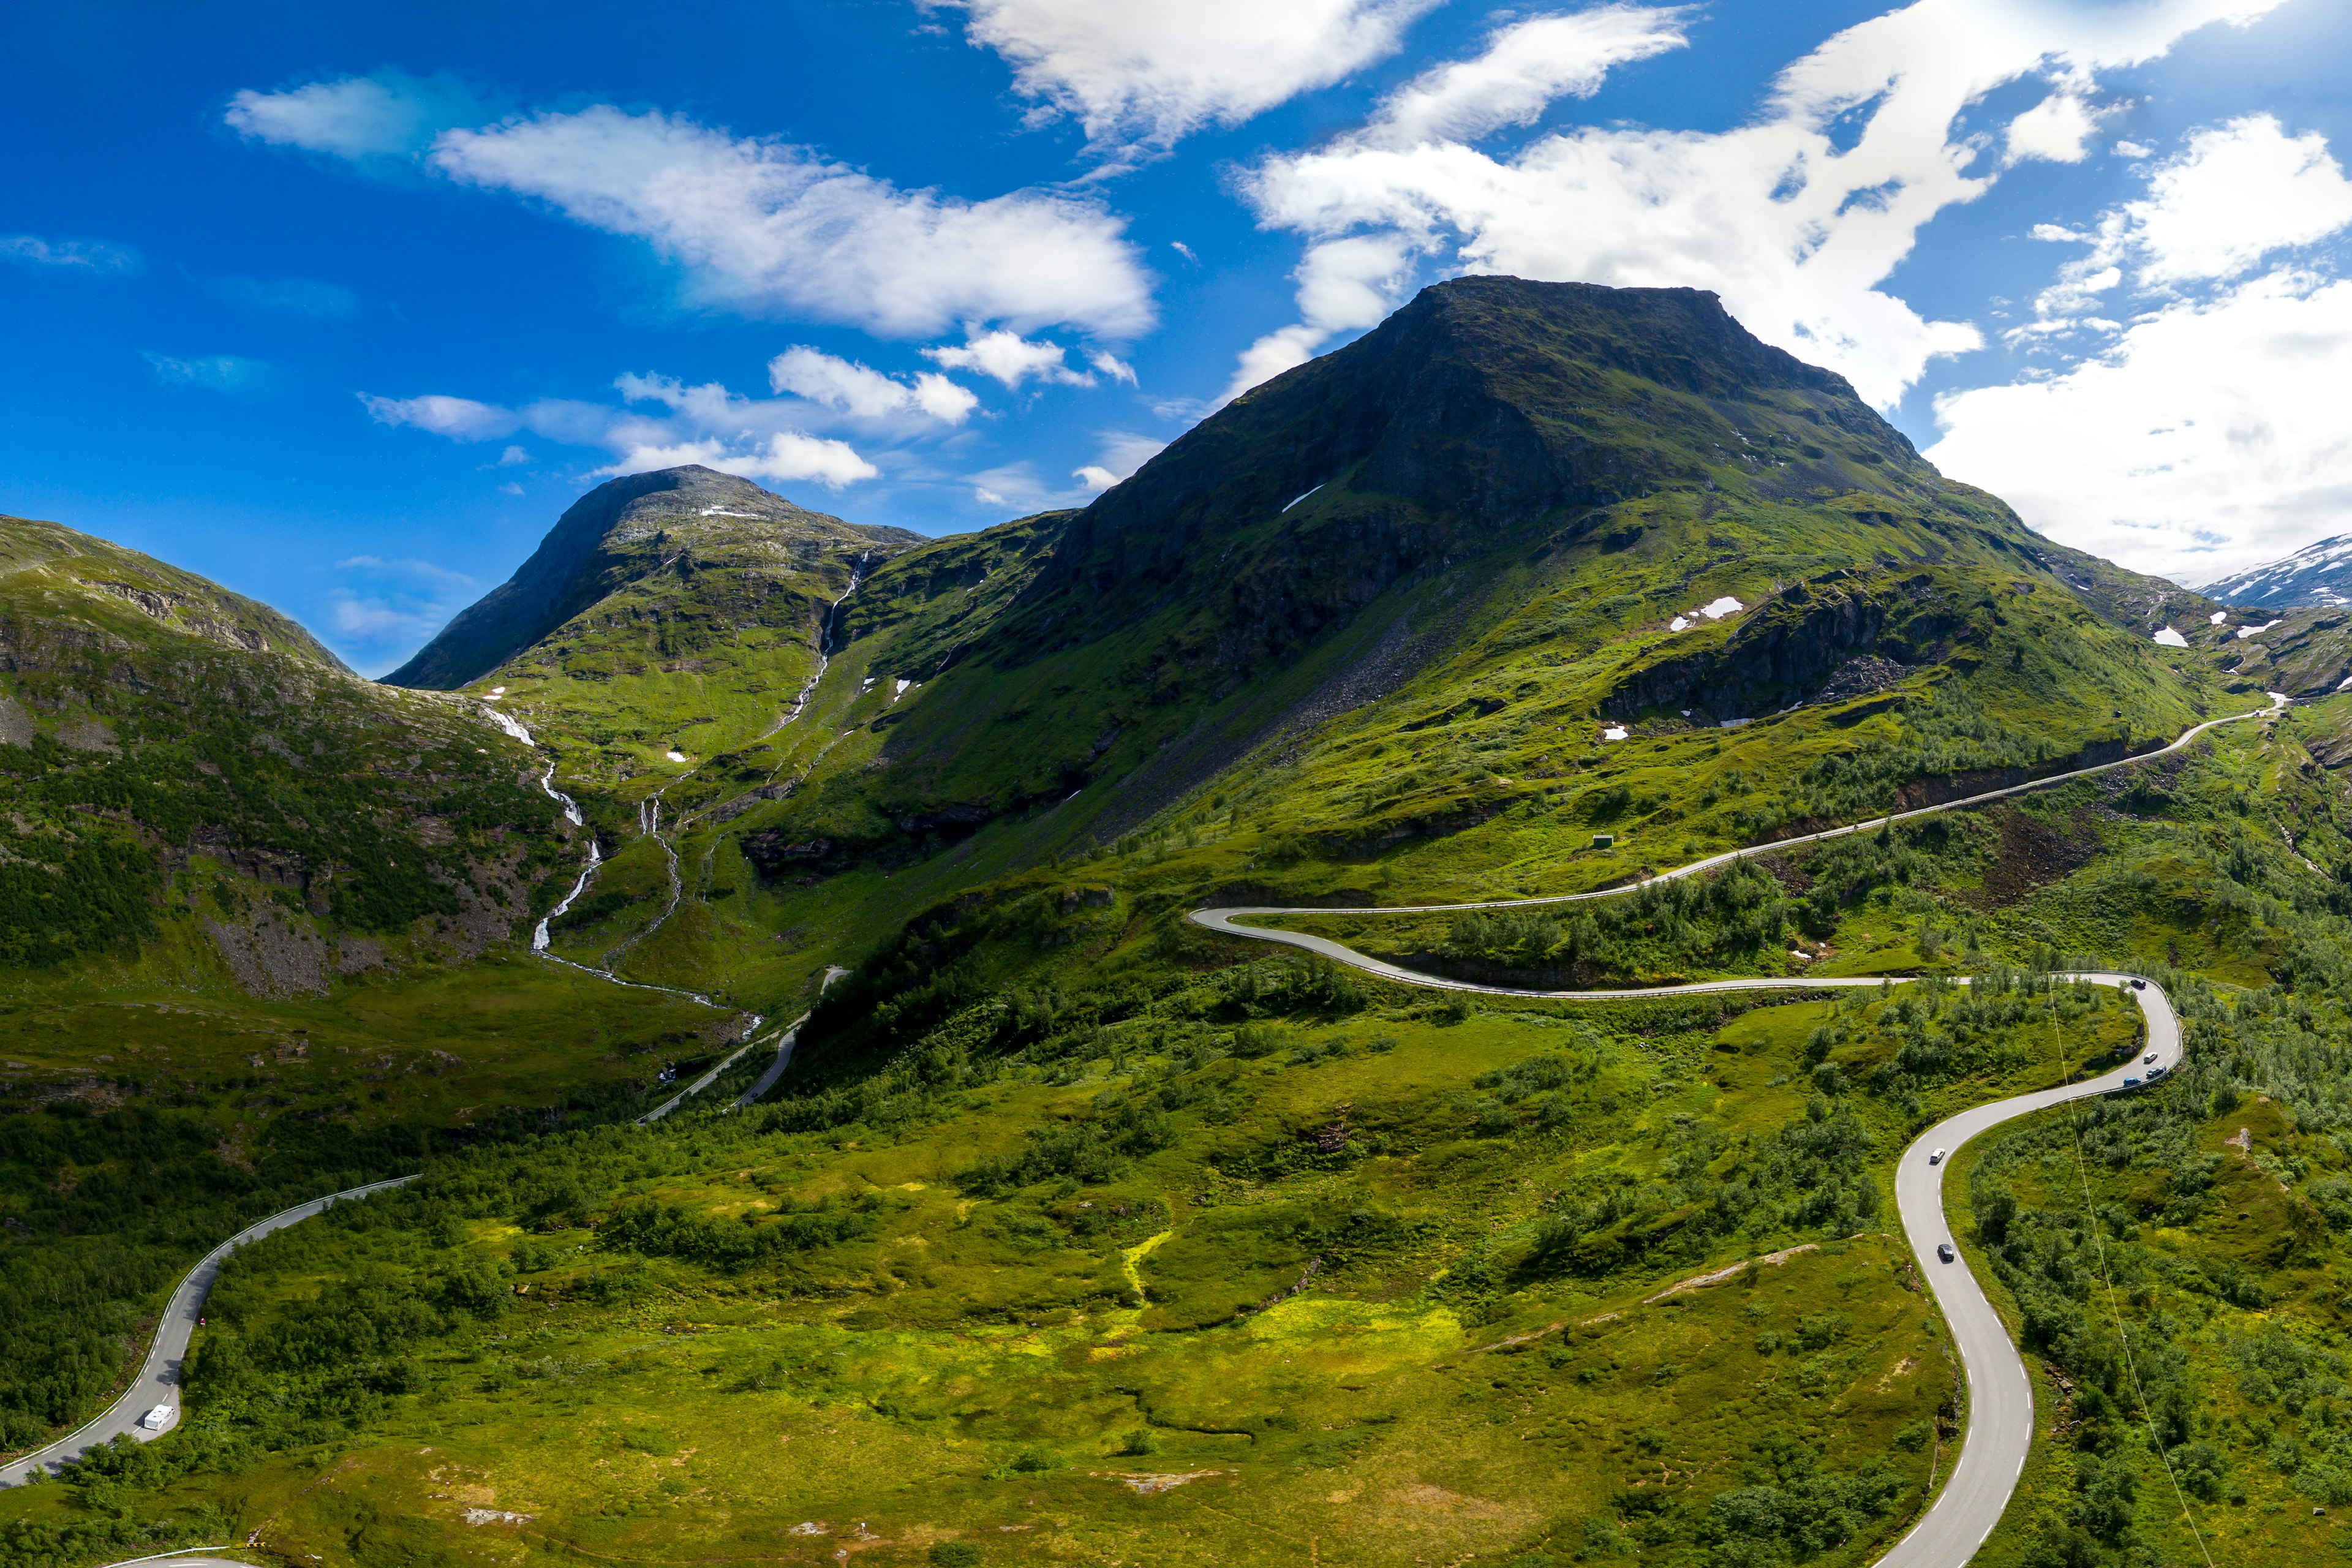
point(620, 532)
point(2318, 575)
point(1486, 404)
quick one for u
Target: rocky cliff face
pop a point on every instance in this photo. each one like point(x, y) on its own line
point(1486, 407)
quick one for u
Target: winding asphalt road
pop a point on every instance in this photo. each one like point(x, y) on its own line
point(2001, 1395)
point(158, 1382)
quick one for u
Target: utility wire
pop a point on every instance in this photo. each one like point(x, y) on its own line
point(2099, 1241)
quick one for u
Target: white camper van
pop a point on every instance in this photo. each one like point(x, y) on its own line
point(155, 1420)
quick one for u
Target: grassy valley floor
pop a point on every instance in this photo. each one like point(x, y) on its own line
point(1362, 1282)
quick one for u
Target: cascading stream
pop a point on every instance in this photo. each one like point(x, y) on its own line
point(649, 809)
point(823, 645)
point(541, 937)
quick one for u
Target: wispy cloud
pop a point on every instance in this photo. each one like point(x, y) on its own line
point(284, 296)
point(93, 257)
point(754, 225)
point(1148, 73)
point(386, 606)
point(213, 373)
point(756, 437)
point(386, 116)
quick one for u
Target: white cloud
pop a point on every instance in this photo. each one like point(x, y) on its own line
point(389, 115)
point(513, 458)
point(1010, 358)
point(2057, 130)
point(1123, 452)
point(1153, 72)
point(210, 372)
point(2212, 435)
point(2233, 196)
point(853, 389)
point(287, 296)
point(760, 438)
point(2133, 150)
point(1111, 365)
point(94, 255)
point(1796, 218)
point(767, 228)
point(2239, 193)
point(1344, 285)
point(1525, 68)
point(459, 418)
point(784, 458)
point(393, 606)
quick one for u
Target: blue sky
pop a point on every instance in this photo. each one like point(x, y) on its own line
point(341, 306)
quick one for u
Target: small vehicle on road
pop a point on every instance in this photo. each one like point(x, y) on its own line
point(2149, 1059)
point(156, 1419)
point(2140, 984)
point(1944, 1251)
point(1936, 1158)
point(2155, 1073)
point(2131, 1083)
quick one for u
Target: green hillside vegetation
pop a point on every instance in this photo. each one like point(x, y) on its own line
point(1029, 1228)
point(170, 746)
point(1078, 1233)
point(1359, 1271)
point(1363, 632)
point(259, 940)
point(679, 611)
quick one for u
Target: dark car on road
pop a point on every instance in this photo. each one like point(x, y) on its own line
point(1944, 1251)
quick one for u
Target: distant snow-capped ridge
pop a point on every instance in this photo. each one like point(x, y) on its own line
point(2317, 574)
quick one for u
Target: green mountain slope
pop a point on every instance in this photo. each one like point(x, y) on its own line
point(174, 750)
point(675, 611)
point(1076, 1232)
point(262, 935)
point(1376, 619)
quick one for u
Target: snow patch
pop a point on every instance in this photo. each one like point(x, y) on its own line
point(2245, 632)
point(675, 755)
point(2167, 638)
point(904, 688)
point(497, 691)
point(1614, 732)
point(2217, 618)
point(1678, 623)
point(1296, 499)
point(722, 511)
point(1727, 606)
